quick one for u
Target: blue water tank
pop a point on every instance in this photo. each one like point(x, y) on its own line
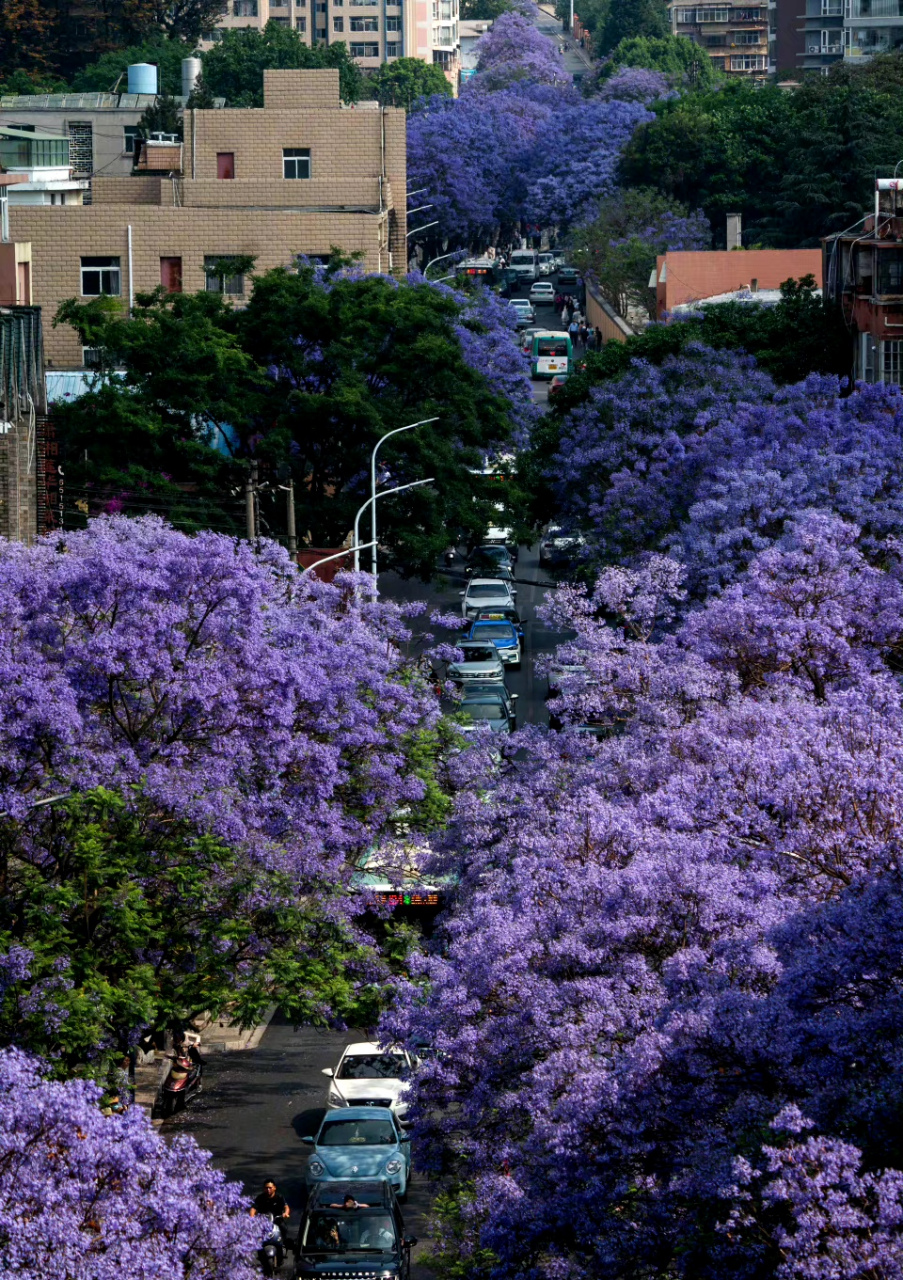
point(142, 77)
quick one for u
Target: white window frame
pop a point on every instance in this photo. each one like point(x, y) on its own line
point(108, 270)
point(292, 157)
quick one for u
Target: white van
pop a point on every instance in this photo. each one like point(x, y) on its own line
point(526, 263)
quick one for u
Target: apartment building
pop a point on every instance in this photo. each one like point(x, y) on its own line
point(863, 272)
point(736, 36)
point(376, 31)
point(823, 39)
point(298, 176)
point(872, 26)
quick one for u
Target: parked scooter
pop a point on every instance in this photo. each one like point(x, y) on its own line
point(184, 1078)
point(272, 1251)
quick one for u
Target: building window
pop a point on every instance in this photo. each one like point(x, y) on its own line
point(365, 24)
point(92, 357)
point(749, 62)
point(393, 24)
point(130, 133)
point(338, 24)
point(747, 37)
point(749, 15)
point(890, 271)
point(393, 50)
point(714, 42)
point(832, 8)
point(220, 278)
point(245, 8)
point(715, 15)
point(320, 6)
point(365, 51)
point(99, 276)
point(686, 15)
point(300, 4)
point(301, 24)
point(296, 162)
point(891, 361)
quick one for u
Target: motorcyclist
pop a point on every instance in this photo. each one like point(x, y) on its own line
point(270, 1201)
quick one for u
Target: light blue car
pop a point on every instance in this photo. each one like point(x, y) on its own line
point(360, 1144)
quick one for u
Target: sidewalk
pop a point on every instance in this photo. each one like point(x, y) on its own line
point(218, 1036)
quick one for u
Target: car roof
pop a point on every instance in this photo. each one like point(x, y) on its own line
point(357, 1113)
point(501, 583)
point(491, 622)
point(371, 1193)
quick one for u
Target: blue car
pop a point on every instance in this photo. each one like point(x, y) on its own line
point(503, 634)
point(360, 1144)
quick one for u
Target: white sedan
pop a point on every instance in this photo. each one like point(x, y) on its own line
point(487, 593)
point(543, 292)
point(371, 1076)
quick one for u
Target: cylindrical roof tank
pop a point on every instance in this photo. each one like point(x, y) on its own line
point(142, 77)
point(191, 71)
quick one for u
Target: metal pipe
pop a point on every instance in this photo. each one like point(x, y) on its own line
point(420, 208)
point(397, 431)
point(131, 276)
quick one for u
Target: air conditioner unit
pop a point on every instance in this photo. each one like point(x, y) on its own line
point(815, 48)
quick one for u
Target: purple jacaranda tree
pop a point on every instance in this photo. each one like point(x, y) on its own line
point(662, 940)
point(513, 49)
point(263, 724)
point(96, 1197)
point(636, 84)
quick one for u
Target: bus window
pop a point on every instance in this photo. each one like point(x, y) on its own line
point(551, 355)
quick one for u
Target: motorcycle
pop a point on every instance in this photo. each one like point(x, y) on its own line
point(184, 1078)
point(450, 555)
point(272, 1251)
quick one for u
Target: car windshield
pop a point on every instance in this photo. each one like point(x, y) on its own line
point(478, 653)
point(483, 590)
point(493, 553)
point(334, 1230)
point(499, 631)
point(483, 710)
point(371, 1066)
point(356, 1133)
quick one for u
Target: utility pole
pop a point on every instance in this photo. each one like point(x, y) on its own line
point(290, 517)
point(252, 504)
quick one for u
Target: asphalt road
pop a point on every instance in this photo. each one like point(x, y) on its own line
point(257, 1104)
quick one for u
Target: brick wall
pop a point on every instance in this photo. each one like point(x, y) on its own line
point(144, 189)
point(59, 239)
point(278, 193)
point(295, 90)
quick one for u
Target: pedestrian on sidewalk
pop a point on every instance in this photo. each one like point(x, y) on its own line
point(565, 315)
point(599, 340)
point(574, 331)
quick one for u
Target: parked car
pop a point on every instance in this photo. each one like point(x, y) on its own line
point(360, 1142)
point(568, 277)
point(504, 634)
point(481, 661)
point(371, 1076)
point(365, 1240)
point(558, 383)
point(523, 310)
point(489, 707)
point(486, 593)
point(543, 293)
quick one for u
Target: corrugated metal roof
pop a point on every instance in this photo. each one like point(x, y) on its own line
point(21, 359)
point(87, 101)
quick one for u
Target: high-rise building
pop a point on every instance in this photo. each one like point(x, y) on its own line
point(734, 35)
point(376, 31)
point(872, 26)
point(822, 33)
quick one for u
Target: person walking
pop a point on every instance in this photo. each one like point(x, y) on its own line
point(565, 315)
point(574, 332)
point(583, 331)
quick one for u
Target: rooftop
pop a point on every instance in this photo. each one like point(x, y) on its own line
point(86, 101)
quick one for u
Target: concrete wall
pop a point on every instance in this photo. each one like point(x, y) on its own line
point(601, 315)
point(692, 275)
point(108, 153)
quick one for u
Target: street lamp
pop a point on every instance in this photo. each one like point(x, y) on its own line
point(442, 256)
point(338, 555)
point(397, 431)
point(384, 494)
point(423, 228)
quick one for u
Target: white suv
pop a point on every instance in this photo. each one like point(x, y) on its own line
point(487, 593)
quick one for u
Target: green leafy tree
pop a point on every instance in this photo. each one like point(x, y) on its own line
point(110, 69)
point(233, 69)
point(684, 61)
point(628, 19)
point(355, 360)
point(401, 83)
point(484, 10)
point(618, 248)
point(592, 13)
point(162, 116)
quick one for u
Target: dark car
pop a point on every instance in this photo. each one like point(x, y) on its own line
point(489, 707)
point(365, 1241)
point(490, 560)
point(567, 277)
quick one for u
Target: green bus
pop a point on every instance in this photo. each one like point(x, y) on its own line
point(550, 355)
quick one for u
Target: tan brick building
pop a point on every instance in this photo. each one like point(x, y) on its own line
point(299, 176)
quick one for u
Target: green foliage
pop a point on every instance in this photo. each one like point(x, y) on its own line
point(619, 247)
point(593, 14)
point(167, 55)
point(402, 82)
point(233, 69)
point(675, 56)
point(161, 117)
point(136, 920)
point(22, 84)
point(484, 10)
point(457, 1253)
point(628, 19)
point(796, 165)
